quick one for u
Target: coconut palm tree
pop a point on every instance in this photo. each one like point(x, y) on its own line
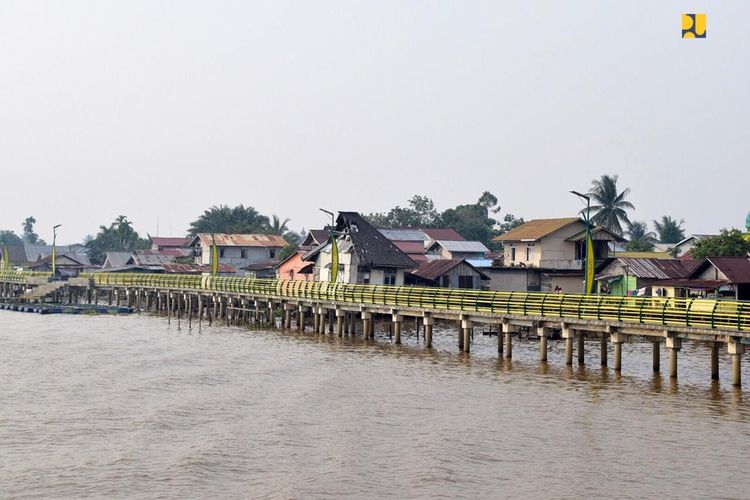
point(641, 239)
point(610, 205)
point(277, 226)
point(670, 230)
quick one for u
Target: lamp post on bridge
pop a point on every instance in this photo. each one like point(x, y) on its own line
point(587, 286)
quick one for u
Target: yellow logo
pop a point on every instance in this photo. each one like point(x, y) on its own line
point(694, 26)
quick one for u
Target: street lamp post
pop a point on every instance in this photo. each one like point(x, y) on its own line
point(54, 248)
point(586, 218)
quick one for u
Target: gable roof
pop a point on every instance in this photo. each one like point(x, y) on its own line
point(116, 259)
point(434, 269)
point(404, 234)
point(461, 246)
point(240, 240)
point(661, 269)
point(315, 237)
point(537, 229)
point(370, 245)
point(736, 269)
point(596, 233)
point(443, 234)
point(60, 261)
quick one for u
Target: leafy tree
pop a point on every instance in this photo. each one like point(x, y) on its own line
point(223, 219)
point(610, 208)
point(641, 239)
point(669, 230)
point(9, 238)
point(730, 243)
point(421, 212)
point(288, 250)
point(510, 221)
point(118, 237)
point(277, 226)
point(29, 236)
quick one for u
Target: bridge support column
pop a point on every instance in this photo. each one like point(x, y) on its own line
point(366, 323)
point(543, 333)
point(316, 319)
point(507, 331)
point(301, 318)
point(714, 361)
point(603, 348)
point(397, 319)
point(346, 323)
point(617, 340)
point(656, 358)
point(428, 322)
point(581, 344)
point(674, 344)
point(287, 316)
point(568, 334)
point(322, 320)
point(340, 322)
point(466, 334)
point(736, 349)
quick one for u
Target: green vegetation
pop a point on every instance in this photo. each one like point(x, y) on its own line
point(669, 230)
point(9, 238)
point(29, 236)
point(610, 205)
point(473, 221)
point(730, 243)
point(118, 237)
point(641, 239)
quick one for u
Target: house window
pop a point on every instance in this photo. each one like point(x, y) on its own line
point(272, 253)
point(221, 252)
point(512, 254)
point(243, 253)
point(389, 276)
point(529, 252)
point(446, 281)
point(466, 282)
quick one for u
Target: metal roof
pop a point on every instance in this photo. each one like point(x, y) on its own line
point(116, 259)
point(432, 270)
point(240, 240)
point(410, 247)
point(661, 269)
point(404, 234)
point(536, 229)
point(462, 246)
point(736, 269)
point(160, 241)
point(443, 234)
point(370, 245)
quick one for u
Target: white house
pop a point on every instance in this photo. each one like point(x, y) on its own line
point(237, 250)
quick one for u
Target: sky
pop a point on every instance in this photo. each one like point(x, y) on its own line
point(159, 110)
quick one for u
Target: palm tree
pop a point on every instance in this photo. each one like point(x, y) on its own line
point(641, 239)
point(670, 231)
point(277, 226)
point(610, 207)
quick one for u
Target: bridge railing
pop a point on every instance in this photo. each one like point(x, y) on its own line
point(22, 276)
point(687, 312)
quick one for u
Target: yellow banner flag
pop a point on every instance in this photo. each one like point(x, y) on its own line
point(334, 259)
point(214, 257)
point(589, 264)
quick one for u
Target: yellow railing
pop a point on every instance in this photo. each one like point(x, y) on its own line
point(20, 276)
point(703, 313)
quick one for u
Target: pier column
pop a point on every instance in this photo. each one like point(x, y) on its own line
point(322, 320)
point(466, 332)
point(366, 321)
point(568, 334)
point(581, 337)
point(603, 348)
point(428, 322)
point(656, 358)
point(340, 322)
point(617, 340)
point(543, 333)
point(714, 361)
point(736, 349)
point(507, 332)
point(674, 344)
point(316, 319)
point(287, 316)
point(397, 319)
point(301, 318)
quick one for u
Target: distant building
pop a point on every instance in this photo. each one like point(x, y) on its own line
point(295, 268)
point(315, 237)
point(238, 250)
point(116, 259)
point(365, 254)
point(458, 249)
point(626, 276)
point(731, 273)
point(65, 266)
point(447, 273)
point(683, 247)
point(415, 241)
point(158, 243)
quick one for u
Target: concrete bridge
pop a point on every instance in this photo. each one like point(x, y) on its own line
point(342, 309)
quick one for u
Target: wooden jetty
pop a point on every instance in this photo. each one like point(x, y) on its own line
point(340, 309)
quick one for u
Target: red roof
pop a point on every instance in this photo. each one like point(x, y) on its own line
point(736, 269)
point(174, 268)
point(410, 247)
point(443, 234)
point(169, 242)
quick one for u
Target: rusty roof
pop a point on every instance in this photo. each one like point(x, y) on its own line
point(175, 268)
point(443, 234)
point(240, 240)
point(662, 269)
point(536, 229)
point(736, 269)
point(169, 241)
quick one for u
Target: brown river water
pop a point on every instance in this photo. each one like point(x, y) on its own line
point(133, 407)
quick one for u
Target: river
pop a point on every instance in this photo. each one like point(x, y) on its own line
point(134, 407)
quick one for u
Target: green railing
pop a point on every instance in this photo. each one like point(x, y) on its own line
point(703, 313)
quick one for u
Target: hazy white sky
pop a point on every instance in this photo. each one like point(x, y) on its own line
point(164, 108)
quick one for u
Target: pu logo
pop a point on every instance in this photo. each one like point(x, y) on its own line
point(694, 26)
